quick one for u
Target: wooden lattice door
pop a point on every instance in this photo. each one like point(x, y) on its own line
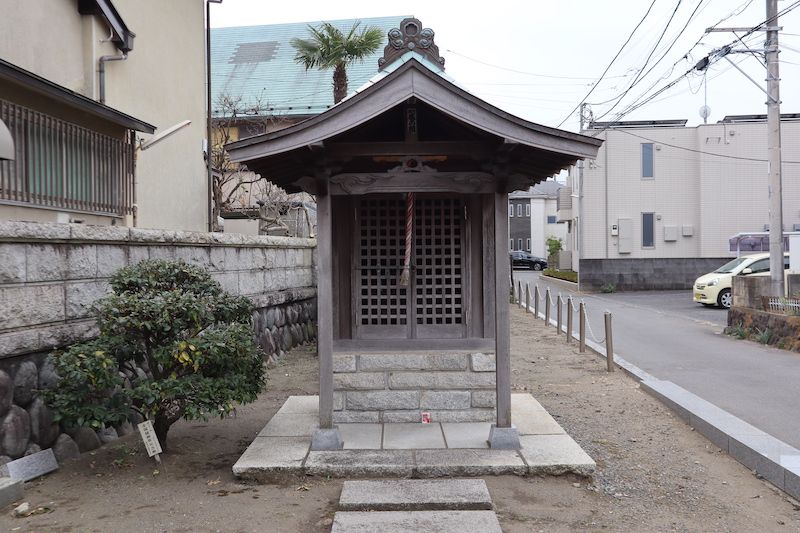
point(431, 305)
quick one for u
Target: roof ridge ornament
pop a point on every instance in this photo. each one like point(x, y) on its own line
point(410, 37)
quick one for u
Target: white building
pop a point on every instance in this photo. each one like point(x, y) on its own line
point(533, 218)
point(661, 200)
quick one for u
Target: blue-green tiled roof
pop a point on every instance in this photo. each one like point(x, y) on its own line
point(257, 64)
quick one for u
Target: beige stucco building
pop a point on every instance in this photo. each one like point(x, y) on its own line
point(661, 200)
point(76, 129)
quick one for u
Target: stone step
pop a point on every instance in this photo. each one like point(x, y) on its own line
point(415, 495)
point(416, 522)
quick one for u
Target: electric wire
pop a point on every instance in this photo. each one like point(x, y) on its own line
point(610, 64)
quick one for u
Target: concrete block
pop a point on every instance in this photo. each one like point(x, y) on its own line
point(415, 522)
point(764, 454)
point(412, 436)
point(361, 436)
point(81, 261)
point(86, 232)
point(360, 381)
point(482, 362)
point(470, 415)
point(344, 363)
point(166, 253)
point(382, 400)
point(400, 362)
point(33, 466)
point(484, 398)
point(338, 401)
point(137, 252)
point(46, 262)
point(17, 230)
point(445, 400)
point(31, 305)
point(12, 262)
point(555, 455)
point(441, 380)
point(356, 417)
point(415, 495)
point(81, 296)
point(360, 463)
point(307, 405)
point(504, 438)
point(792, 482)
point(110, 258)
point(11, 490)
point(251, 282)
point(272, 459)
point(16, 343)
point(401, 417)
point(326, 439)
point(469, 463)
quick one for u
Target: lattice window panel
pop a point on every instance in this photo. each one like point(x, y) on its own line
point(383, 302)
point(438, 246)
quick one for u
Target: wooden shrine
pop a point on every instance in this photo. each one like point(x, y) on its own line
point(412, 176)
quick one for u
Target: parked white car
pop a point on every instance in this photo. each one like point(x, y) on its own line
point(714, 288)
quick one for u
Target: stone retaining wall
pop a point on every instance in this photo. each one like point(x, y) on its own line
point(51, 273)
point(785, 328)
point(657, 274)
point(450, 386)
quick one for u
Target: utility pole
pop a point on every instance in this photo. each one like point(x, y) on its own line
point(774, 151)
point(580, 200)
point(774, 178)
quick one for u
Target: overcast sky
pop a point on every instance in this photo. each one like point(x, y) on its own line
point(539, 59)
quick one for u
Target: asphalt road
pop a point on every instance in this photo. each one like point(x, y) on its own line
point(675, 339)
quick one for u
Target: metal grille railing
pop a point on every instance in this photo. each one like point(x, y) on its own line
point(64, 166)
point(789, 306)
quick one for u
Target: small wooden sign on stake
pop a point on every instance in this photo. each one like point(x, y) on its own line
point(150, 440)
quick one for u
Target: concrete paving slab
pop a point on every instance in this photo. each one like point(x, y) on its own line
point(300, 404)
point(415, 495)
point(412, 436)
point(33, 465)
point(290, 425)
point(362, 436)
point(11, 490)
point(467, 434)
point(469, 463)
point(523, 403)
point(416, 522)
point(360, 463)
point(536, 423)
point(555, 455)
point(271, 459)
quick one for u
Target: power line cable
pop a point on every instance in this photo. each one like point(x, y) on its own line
point(610, 64)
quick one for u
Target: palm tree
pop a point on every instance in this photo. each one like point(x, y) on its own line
point(329, 47)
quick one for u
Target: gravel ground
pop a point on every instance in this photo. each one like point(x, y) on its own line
point(654, 473)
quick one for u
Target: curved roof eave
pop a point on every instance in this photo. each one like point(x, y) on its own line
point(413, 79)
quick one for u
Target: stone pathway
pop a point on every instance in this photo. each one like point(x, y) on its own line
point(410, 450)
point(415, 506)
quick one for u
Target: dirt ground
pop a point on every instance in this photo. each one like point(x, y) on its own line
point(654, 473)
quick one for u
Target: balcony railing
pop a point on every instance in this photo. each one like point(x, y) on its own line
point(63, 166)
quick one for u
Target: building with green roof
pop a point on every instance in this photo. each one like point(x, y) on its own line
point(256, 64)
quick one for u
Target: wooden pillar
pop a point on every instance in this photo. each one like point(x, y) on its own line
point(327, 436)
point(325, 311)
point(502, 314)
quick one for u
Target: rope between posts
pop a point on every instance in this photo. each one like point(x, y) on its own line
point(588, 325)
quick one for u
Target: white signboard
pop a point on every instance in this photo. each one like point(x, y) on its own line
point(149, 438)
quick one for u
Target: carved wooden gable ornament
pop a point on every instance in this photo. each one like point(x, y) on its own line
point(410, 37)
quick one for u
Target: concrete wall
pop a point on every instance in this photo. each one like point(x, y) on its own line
point(645, 274)
point(449, 386)
point(51, 273)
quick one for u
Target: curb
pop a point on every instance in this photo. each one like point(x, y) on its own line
point(768, 457)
